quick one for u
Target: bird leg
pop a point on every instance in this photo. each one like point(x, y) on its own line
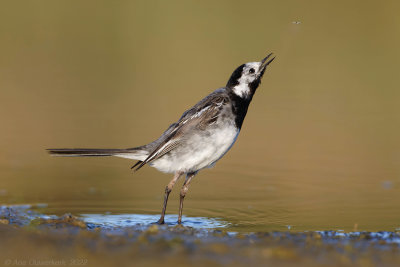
point(184, 190)
point(168, 190)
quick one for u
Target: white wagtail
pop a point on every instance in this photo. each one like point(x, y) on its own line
point(199, 138)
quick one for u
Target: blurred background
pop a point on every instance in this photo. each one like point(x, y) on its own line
point(319, 148)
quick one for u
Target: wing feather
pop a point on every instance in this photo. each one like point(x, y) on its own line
point(198, 117)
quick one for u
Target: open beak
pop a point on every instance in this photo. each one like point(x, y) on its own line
point(264, 63)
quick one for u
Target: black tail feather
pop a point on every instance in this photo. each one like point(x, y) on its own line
point(85, 152)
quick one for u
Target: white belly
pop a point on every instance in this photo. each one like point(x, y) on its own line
point(200, 151)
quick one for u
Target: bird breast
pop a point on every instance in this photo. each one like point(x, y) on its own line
point(202, 150)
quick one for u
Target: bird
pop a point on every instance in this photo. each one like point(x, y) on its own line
point(202, 135)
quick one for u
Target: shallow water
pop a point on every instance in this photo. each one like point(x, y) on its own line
point(127, 220)
point(319, 148)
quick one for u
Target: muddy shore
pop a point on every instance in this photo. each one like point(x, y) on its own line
point(29, 238)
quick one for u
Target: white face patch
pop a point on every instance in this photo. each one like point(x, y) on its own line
point(242, 90)
point(249, 74)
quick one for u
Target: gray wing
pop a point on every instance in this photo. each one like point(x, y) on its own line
point(200, 116)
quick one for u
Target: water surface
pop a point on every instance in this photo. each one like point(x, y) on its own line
point(319, 149)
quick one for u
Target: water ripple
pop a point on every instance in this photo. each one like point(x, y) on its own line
point(126, 220)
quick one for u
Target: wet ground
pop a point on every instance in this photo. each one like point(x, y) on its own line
point(31, 238)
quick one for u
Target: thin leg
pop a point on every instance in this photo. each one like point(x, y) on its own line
point(184, 190)
point(168, 190)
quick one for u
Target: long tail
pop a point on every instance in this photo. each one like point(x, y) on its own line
point(130, 153)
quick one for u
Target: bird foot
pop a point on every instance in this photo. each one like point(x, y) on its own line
point(160, 221)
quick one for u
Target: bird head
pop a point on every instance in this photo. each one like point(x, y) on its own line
point(246, 78)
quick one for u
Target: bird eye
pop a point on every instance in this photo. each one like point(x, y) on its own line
point(251, 70)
